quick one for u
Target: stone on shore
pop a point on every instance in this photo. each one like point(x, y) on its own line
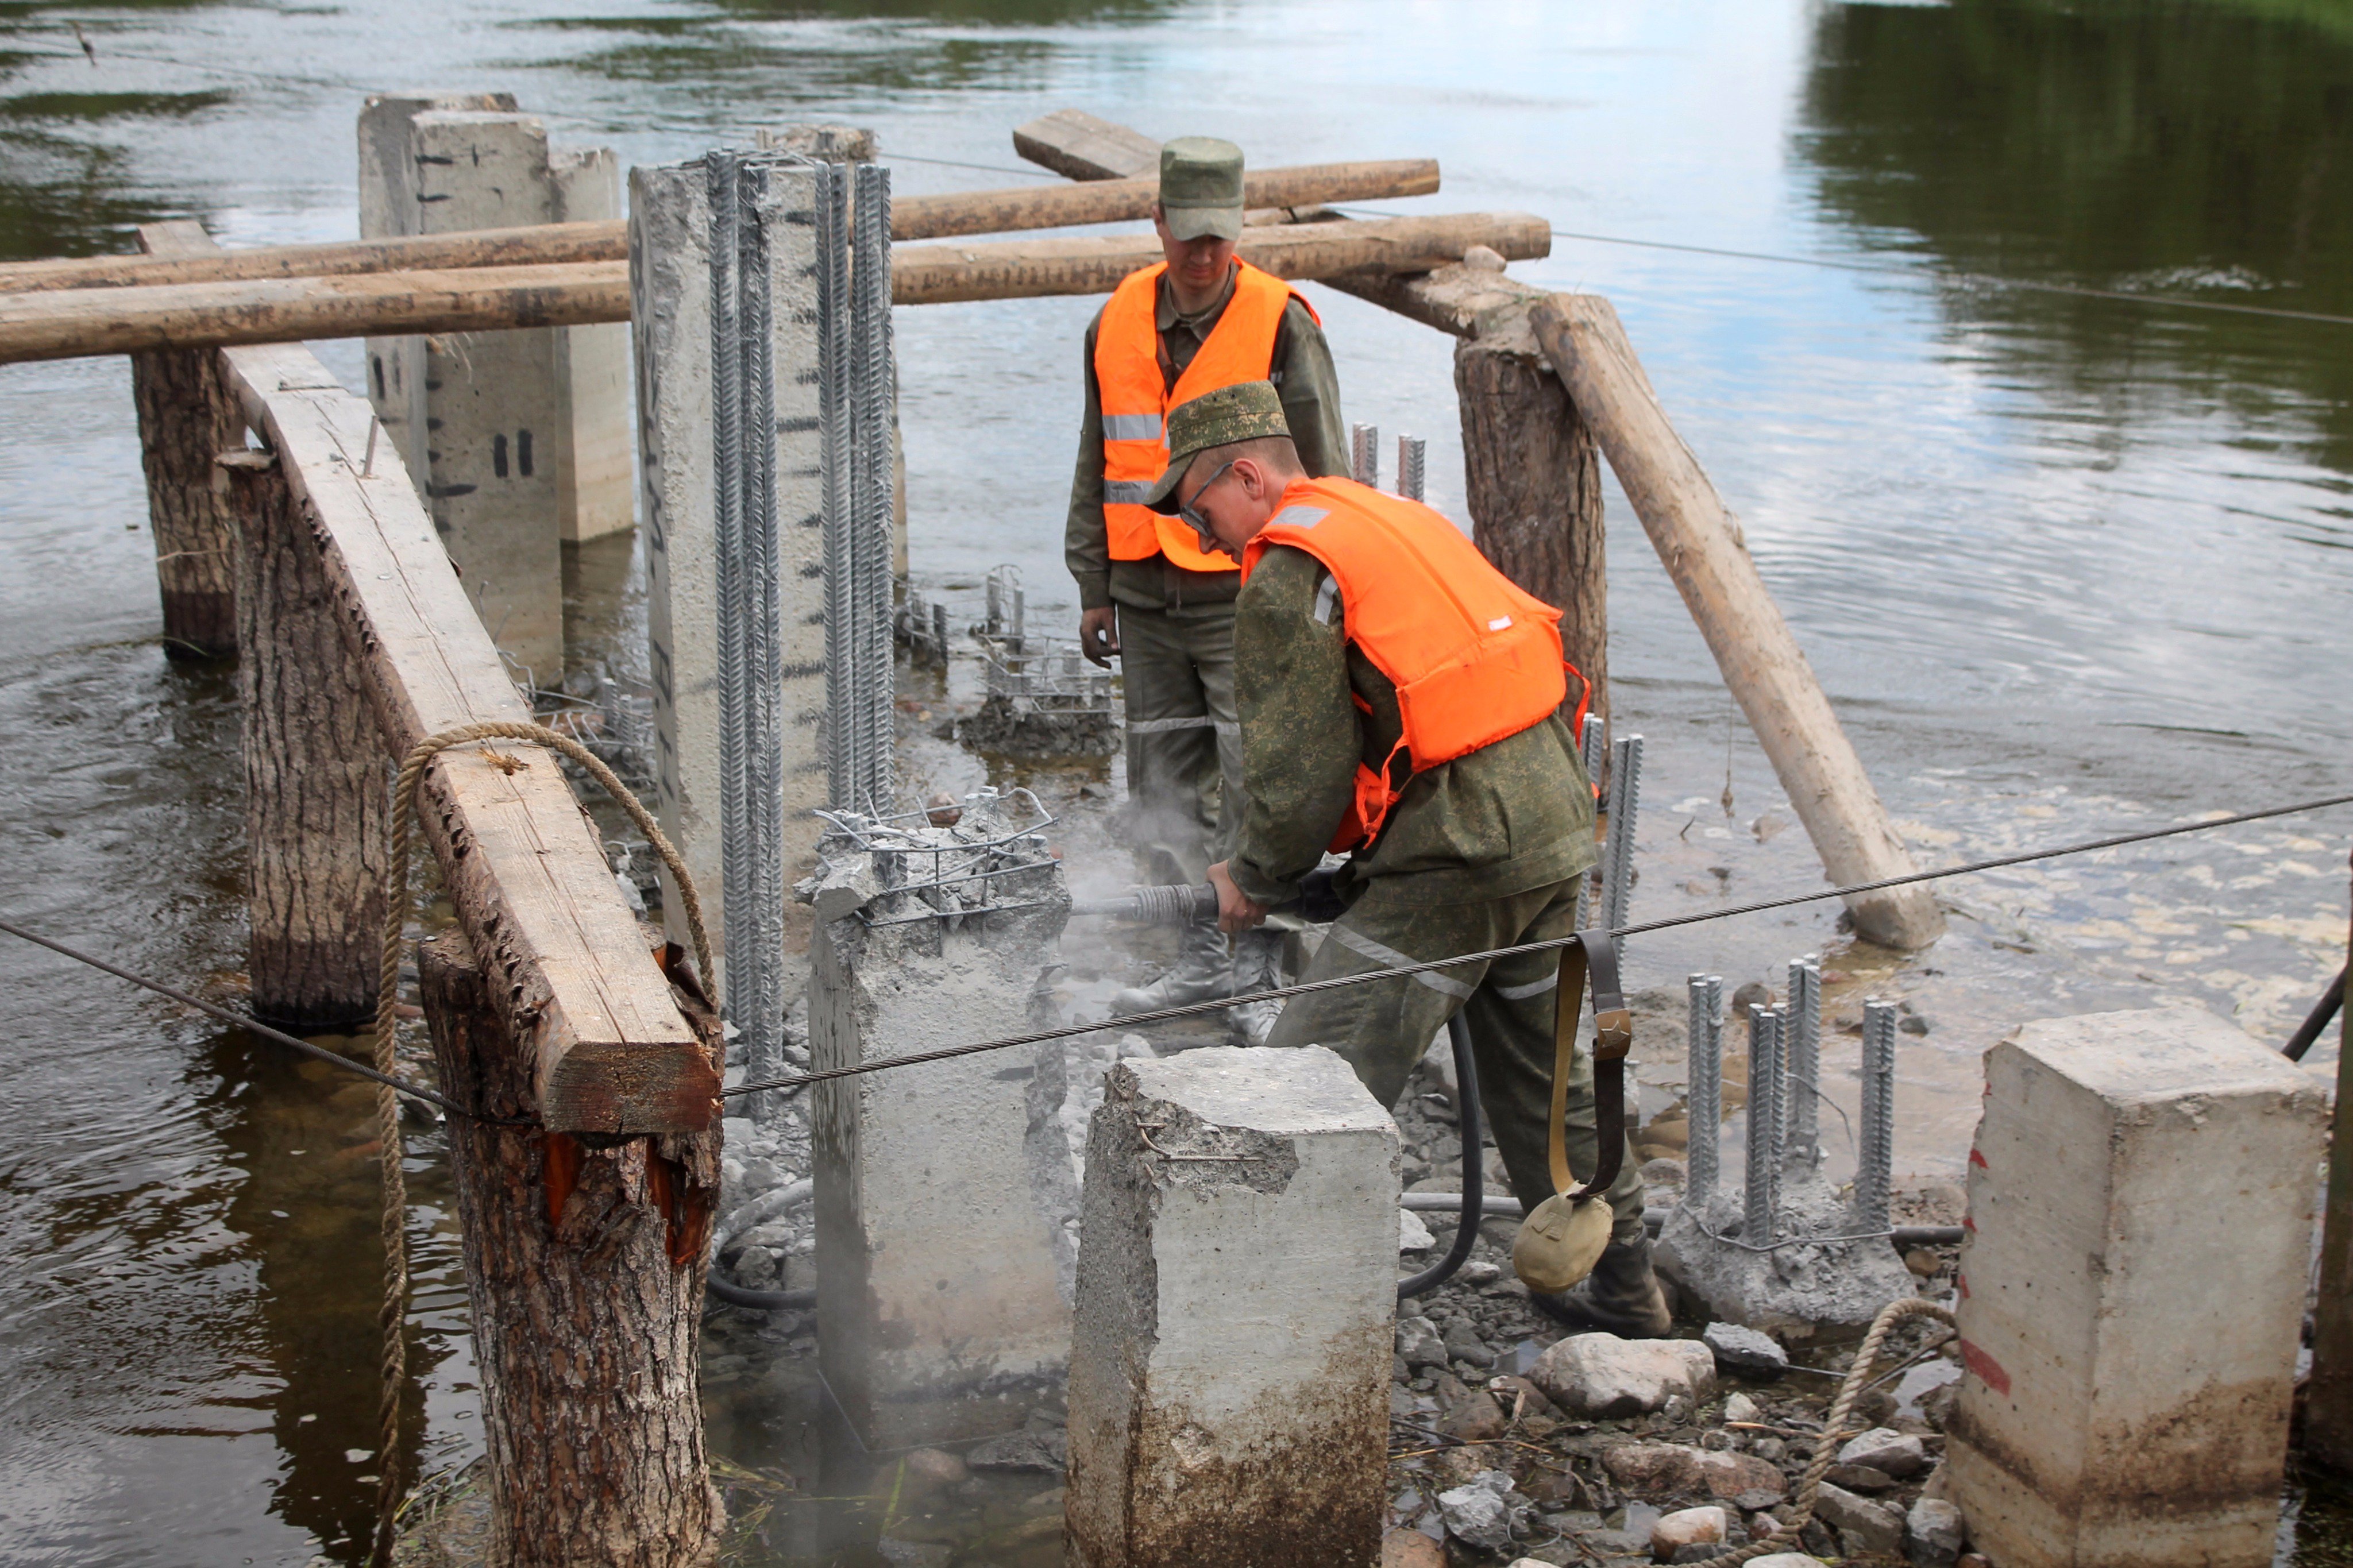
point(1934, 1533)
point(1602, 1376)
point(1686, 1527)
point(1418, 1343)
point(1899, 1454)
point(1864, 1525)
point(1665, 1468)
point(1408, 1548)
point(1744, 1350)
point(1479, 1513)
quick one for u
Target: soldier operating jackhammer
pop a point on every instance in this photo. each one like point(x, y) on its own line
point(1399, 702)
point(1147, 591)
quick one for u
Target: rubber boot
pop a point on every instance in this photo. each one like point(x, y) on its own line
point(1204, 972)
point(1257, 967)
point(1621, 1297)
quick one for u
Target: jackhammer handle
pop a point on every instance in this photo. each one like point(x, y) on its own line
point(1182, 905)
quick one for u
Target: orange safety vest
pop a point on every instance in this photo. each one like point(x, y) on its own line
point(1136, 398)
point(1475, 657)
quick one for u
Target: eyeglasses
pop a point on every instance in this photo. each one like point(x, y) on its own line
point(1200, 524)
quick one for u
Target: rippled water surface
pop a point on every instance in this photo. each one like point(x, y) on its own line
point(2068, 565)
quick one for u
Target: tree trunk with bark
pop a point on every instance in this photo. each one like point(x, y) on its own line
point(314, 768)
point(1533, 486)
point(584, 1265)
point(186, 416)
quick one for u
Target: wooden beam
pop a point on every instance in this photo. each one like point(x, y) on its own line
point(1467, 299)
point(1125, 201)
point(2328, 1407)
point(524, 868)
point(186, 418)
point(939, 274)
point(1706, 555)
point(533, 245)
point(1078, 146)
point(570, 244)
point(73, 323)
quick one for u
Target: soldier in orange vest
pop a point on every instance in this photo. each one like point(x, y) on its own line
point(1400, 703)
point(1147, 592)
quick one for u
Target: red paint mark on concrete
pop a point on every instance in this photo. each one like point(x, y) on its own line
point(1968, 1224)
point(1961, 1282)
point(1979, 1160)
point(1986, 1367)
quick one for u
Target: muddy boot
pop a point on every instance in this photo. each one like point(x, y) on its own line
point(1203, 972)
point(1621, 1297)
point(1257, 967)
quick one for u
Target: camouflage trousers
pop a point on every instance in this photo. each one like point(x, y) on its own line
point(1184, 741)
point(1382, 1026)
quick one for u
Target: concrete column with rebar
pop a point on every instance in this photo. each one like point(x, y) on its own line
point(724, 262)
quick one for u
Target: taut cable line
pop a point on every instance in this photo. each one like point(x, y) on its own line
point(1193, 1009)
point(246, 1021)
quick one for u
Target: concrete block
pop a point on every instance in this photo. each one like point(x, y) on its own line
point(388, 209)
point(508, 435)
point(495, 415)
point(670, 282)
point(1230, 1365)
point(938, 1315)
point(595, 481)
point(2132, 1292)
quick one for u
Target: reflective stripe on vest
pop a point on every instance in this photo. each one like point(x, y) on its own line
point(1474, 657)
point(1136, 398)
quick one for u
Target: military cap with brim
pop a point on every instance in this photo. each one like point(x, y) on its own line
point(1245, 411)
point(1201, 187)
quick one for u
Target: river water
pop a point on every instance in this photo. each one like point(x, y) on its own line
point(2066, 564)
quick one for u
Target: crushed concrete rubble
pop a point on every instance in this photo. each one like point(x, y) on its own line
point(1795, 1291)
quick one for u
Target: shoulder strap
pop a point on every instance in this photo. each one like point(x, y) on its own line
point(1595, 954)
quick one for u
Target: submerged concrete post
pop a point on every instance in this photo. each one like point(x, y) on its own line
point(2140, 1204)
point(1237, 1301)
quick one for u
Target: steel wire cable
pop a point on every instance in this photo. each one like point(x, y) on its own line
point(1550, 945)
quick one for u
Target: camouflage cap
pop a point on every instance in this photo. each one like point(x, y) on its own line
point(1245, 411)
point(1201, 187)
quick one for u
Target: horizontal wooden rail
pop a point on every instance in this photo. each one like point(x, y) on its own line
point(73, 323)
point(1015, 269)
point(568, 968)
point(566, 243)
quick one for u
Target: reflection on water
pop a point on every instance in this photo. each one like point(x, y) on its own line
point(2068, 567)
point(2188, 149)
